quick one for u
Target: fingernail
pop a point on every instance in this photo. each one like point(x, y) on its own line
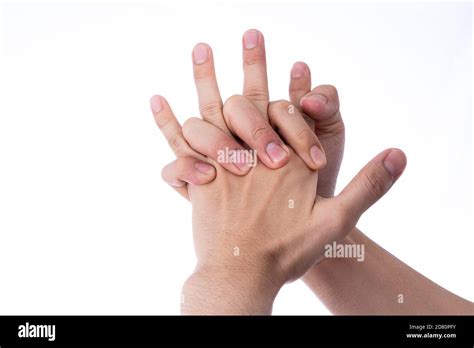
point(200, 53)
point(317, 155)
point(298, 70)
point(394, 163)
point(204, 167)
point(317, 97)
point(276, 152)
point(156, 104)
point(250, 39)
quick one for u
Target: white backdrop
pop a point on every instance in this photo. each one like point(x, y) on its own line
point(86, 224)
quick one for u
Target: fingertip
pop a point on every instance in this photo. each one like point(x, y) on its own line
point(201, 53)
point(170, 175)
point(395, 162)
point(318, 156)
point(251, 38)
point(156, 103)
point(299, 70)
point(205, 173)
point(273, 163)
point(321, 103)
point(279, 154)
point(314, 104)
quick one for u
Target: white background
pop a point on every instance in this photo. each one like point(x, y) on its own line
point(86, 224)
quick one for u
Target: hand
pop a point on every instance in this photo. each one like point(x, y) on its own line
point(257, 133)
point(252, 233)
point(193, 131)
point(320, 107)
point(165, 115)
point(305, 243)
point(276, 243)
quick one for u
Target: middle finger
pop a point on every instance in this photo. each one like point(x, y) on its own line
point(255, 70)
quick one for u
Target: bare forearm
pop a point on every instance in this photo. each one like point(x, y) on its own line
point(227, 293)
point(381, 284)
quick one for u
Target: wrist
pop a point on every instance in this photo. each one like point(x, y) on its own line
point(226, 291)
point(331, 267)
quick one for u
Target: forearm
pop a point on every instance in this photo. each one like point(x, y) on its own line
point(228, 293)
point(381, 284)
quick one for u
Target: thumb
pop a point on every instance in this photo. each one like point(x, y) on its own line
point(371, 183)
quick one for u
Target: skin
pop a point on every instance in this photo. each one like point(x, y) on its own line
point(245, 211)
point(277, 242)
point(374, 286)
point(336, 281)
point(254, 128)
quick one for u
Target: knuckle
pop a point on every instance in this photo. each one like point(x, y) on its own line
point(281, 105)
point(188, 125)
point(331, 90)
point(276, 110)
point(211, 109)
point(233, 98)
point(256, 93)
point(220, 144)
point(201, 74)
point(162, 121)
point(332, 94)
point(305, 134)
point(374, 184)
point(260, 131)
point(303, 137)
point(176, 142)
point(254, 59)
point(339, 128)
point(232, 101)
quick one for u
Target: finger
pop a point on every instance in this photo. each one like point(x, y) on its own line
point(187, 170)
point(210, 102)
point(370, 184)
point(245, 121)
point(291, 125)
point(300, 82)
point(211, 141)
point(255, 70)
point(169, 126)
point(322, 106)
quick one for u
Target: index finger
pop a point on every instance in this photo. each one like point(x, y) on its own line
point(210, 102)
